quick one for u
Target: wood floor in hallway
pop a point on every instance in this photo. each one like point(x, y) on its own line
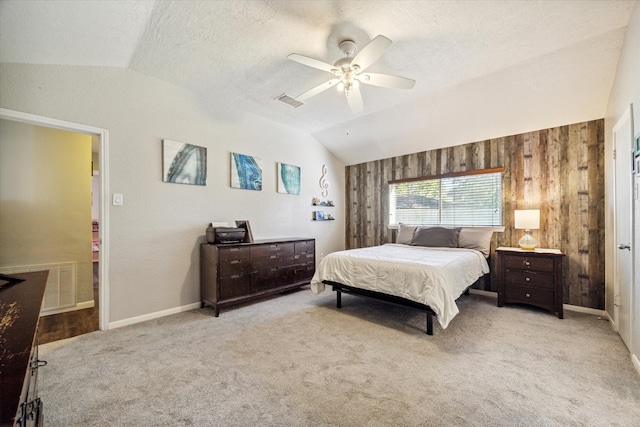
point(70, 324)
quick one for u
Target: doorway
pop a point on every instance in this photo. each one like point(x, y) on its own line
point(100, 138)
point(623, 255)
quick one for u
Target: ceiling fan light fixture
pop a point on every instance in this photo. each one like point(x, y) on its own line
point(348, 71)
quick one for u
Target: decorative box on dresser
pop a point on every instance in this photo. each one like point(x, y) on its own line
point(238, 272)
point(531, 277)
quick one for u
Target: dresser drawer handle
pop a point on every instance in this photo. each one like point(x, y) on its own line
point(528, 295)
point(527, 279)
point(527, 263)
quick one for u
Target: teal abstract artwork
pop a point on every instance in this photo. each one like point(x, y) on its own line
point(288, 179)
point(246, 172)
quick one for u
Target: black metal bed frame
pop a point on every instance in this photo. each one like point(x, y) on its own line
point(341, 288)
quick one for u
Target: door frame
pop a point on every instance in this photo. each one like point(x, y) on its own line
point(103, 134)
point(626, 116)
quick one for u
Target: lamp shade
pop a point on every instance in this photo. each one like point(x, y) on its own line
point(527, 219)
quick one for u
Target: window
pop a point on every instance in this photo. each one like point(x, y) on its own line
point(461, 199)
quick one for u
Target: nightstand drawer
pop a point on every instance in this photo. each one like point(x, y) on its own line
point(529, 295)
point(524, 262)
point(529, 278)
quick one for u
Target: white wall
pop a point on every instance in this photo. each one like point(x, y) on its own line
point(154, 237)
point(625, 90)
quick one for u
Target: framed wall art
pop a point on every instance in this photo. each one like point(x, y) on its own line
point(248, 237)
point(246, 172)
point(288, 179)
point(184, 163)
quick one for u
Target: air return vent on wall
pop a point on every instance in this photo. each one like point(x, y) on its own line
point(60, 292)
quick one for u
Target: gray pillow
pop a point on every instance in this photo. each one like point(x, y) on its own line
point(439, 237)
point(405, 233)
point(478, 238)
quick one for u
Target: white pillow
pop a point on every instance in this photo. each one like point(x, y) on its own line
point(405, 233)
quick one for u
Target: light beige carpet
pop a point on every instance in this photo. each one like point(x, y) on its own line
point(296, 360)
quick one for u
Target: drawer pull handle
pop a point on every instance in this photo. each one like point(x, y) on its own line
point(527, 279)
point(527, 263)
point(528, 295)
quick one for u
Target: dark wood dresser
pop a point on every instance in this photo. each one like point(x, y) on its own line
point(234, 273)
point(20, 305)
point(531, 277)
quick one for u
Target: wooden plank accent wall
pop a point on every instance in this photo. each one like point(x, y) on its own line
point(559, 171)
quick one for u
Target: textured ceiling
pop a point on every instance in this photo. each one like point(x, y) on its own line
point(483, 69)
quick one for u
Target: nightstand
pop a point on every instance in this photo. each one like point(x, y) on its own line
point(530, 277)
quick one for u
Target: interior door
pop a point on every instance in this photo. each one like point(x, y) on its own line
point(623, 144)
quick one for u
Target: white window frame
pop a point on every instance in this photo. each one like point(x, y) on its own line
point(428, 214)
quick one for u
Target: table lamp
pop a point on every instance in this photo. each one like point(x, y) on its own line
point(527, 220)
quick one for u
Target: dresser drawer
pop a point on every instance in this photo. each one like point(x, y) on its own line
point(233, 253)
point(304, 273)
point(306, 247)
point(234, 286)
point(530, 295)
point(272, 261)
point(272, 278)
point(529, 278)
point(235, 267)
point(524, 262)
point(272, 249)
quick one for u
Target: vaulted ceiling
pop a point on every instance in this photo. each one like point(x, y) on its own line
point(483, 69)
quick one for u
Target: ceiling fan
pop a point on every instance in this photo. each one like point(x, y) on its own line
point(349, 71)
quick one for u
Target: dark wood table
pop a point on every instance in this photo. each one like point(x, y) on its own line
point(19, 313)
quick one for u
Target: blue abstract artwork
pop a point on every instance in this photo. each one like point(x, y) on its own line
point(246, 172)
point(184, 163)
point(288, 179)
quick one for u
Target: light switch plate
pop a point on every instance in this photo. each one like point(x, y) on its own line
point(118, 199)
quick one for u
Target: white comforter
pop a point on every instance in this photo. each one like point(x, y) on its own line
point(432, 276)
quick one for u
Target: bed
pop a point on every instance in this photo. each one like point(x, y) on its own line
point(428, 268)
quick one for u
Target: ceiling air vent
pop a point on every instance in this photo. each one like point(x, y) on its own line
point(289, 100)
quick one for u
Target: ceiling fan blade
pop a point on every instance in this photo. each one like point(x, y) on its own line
point(371, 52)
point(317, 89)
point(310, 62)
point(386, 80)
point(354, 99)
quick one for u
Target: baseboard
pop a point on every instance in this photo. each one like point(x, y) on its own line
point(586, 310)
point(79, 306)
point(576, 308)
point(484, 293)
point(636, 363)
point(151, 316)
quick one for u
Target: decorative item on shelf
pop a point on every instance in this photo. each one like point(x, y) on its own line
point(329, 217)
point(527, 220)
point(324, 184)
point(317, 202)
point(318, 215)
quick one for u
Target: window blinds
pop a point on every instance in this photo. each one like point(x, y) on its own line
point(464, 200)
